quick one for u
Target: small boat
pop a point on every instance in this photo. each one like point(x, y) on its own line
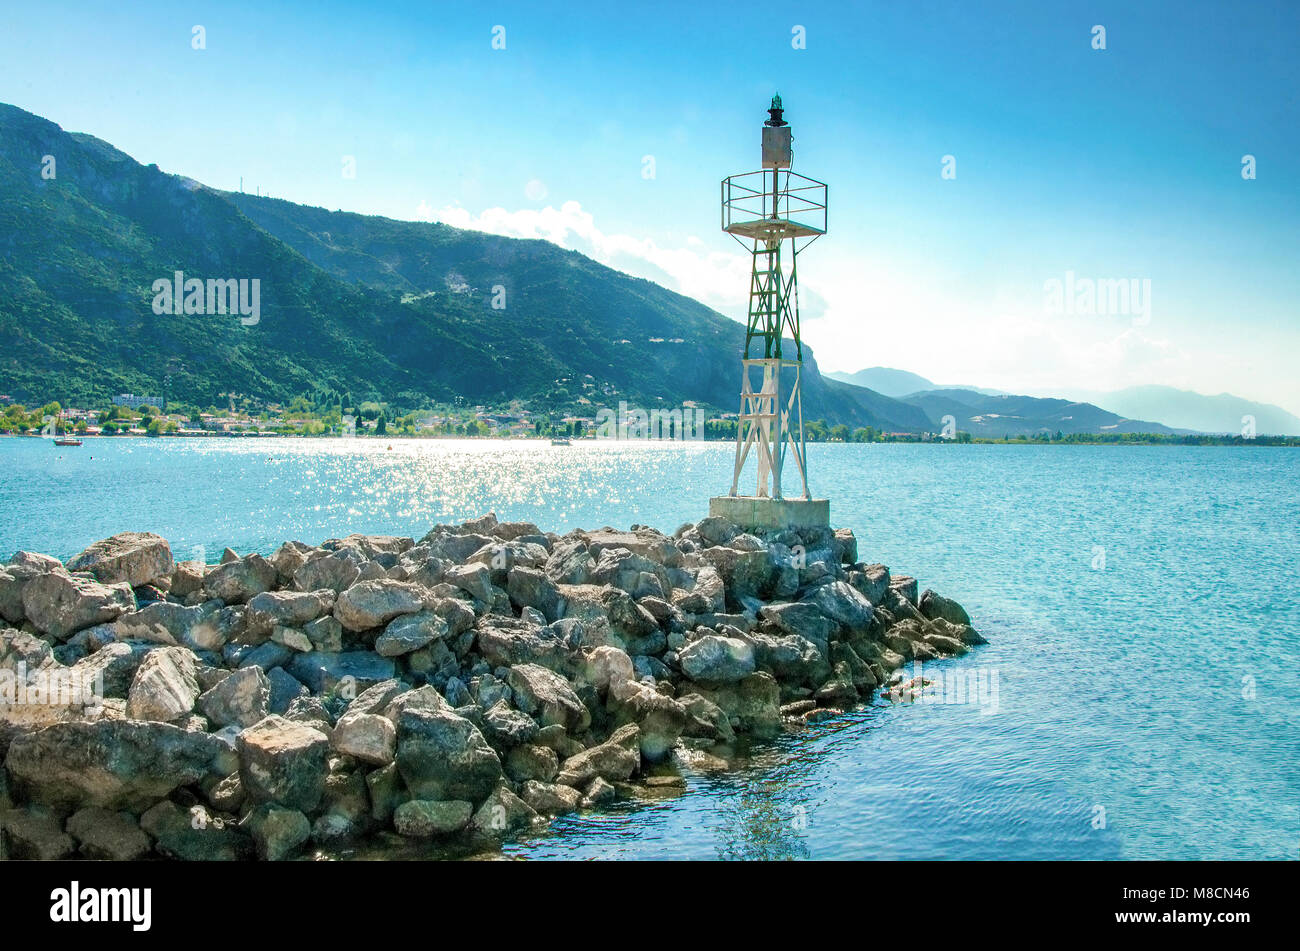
point(560, 441)
point(67, 441)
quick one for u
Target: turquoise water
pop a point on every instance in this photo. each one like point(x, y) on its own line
point(1140, 605)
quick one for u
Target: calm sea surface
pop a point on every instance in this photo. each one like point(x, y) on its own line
point(1141, 606)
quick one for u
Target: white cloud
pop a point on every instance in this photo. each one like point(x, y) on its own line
point(718, 279)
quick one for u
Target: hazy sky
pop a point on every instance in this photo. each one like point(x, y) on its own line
point(1116, 164)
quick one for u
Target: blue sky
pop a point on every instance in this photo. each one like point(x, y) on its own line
point(1122, 163)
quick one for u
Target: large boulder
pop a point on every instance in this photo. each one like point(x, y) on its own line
point(661, 719)
point(753, 705)
point(59, 604)
point(287, 609)
point(239, 581)
point(610, 761)
point(165, 686)
point(283, 762)
point(112, 764)
point(104, 834)
point(137, 558)
point(350, 671)
point(604, 666)
point(336, 572)
point(570, 562)
point(934, 605)
point(444, 756)
point(715, 659)
point(410, 632)
point(277, 832)
point(242, 699)
point(791, 658)
point(548, 697)
point(844, 604)
point(503, 811)
point(422, 818)
point(370, 604)
point(801, 619)
point(13, 579)
point(194, 835)
point(504, 642)
point(530, 587)
point(368, 737)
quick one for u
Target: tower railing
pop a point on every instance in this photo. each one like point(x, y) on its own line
point(772, 204)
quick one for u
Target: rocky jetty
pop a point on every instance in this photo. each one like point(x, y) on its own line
point(469, 684)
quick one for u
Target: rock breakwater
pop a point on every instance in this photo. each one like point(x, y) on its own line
point(464, 686)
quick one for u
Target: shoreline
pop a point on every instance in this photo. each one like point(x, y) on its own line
point(1196, 441)
point(460, 689)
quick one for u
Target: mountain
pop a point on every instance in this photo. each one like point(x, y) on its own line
point(367, 306)
point(885, 380)
point(1185, 409)
point(994, 416)
point(899, 383)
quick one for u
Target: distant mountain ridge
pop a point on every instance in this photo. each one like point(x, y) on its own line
point(1000, 416)
point(1168, 409)
point(1185, 409)
point(899, 383)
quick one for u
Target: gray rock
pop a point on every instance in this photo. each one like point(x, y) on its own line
point(349, 672)
point(114, 764)
point(286, 608)
point(934, 605)
point(423, 818)
point(610, 761)
point(547, 697)
point(714, 659)
point(337, 572)
point(370, 604)
point(422, 698)
point(267, 656)
point(13, 579)
point(661, 719)
point(530, 587)
point(165, 686)
point(475, 579)
point(31, 559)
point(243, 698)
point(503, 812)
point(532, 762)
point(291, 638)
point(59, 604)
point(212, 631)
point(237, 582)
point(283, 762)
point(277, 832)
point(366, 736)
point(444, 756)
point(104, 834)
point(753, 704)
point(136, 558)
point(506, 727)
point(550, 799)
point(705, 719)
point(195, 835)
point(409, 633)
point(844, 604)
point(35, 833)
point(604, 665)
point(504, 642)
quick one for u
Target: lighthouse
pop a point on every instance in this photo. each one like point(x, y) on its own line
point(774, 213)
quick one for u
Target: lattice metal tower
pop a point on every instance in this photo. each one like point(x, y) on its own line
point(763, 210)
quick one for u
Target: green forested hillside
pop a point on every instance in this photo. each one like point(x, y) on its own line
point(380, 309)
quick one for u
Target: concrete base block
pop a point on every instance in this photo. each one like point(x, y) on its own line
point(751, 512)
